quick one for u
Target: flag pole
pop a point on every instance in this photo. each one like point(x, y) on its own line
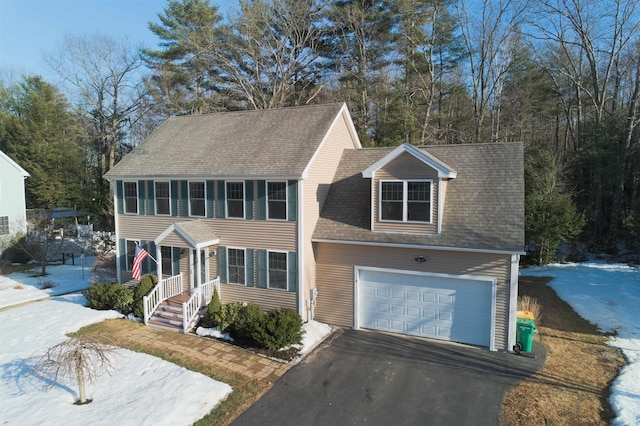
point(148, 254)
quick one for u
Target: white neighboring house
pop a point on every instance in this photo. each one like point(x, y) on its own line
point(13, 215)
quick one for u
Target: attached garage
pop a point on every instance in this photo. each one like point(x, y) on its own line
point(446, 307)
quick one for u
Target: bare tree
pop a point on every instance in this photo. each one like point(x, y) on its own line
point(487, 32)
point(82, 358)
point(39, 241)
point(104, 75)
point(271, 55)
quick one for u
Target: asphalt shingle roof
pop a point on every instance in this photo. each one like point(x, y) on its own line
point(277, 142)
point(483, 209)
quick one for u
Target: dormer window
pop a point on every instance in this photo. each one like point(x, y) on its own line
point(405, 201)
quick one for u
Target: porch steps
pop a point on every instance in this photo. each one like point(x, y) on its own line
point(168, 315)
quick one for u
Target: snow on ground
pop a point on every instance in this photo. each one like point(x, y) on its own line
point(22, 287)
point(608, 295)
point(141, 389)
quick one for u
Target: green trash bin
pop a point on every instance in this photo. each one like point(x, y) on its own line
point(524, 334)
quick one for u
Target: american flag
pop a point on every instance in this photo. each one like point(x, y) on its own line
point(140, 254)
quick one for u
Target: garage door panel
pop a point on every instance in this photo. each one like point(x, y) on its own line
point(444, 308)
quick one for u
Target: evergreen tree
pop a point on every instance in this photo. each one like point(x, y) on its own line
point(40, 132)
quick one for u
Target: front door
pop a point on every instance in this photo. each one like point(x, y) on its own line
point(194, 267)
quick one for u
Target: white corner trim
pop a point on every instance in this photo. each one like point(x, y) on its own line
point(300, 252)
point(513, 301)
point(116, 217)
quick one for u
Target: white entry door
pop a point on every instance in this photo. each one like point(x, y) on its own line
point(459, 309)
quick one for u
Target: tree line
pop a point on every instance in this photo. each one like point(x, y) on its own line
point(561, 75)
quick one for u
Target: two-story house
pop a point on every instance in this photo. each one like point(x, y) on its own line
point(13, 217)
point(288, 210)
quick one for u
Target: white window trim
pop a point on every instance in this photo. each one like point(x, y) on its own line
point(286, 257)
point(226, 199)
point(245, 265)
point(128, 267)
point(124, 197)
point(204, 184)
point(286, 200)
point(405, 200)
point(155, 197)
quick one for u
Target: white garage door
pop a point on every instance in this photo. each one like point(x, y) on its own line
point(459, 309)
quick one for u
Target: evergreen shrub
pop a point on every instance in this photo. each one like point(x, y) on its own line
point(147, 283)
point(109, 296)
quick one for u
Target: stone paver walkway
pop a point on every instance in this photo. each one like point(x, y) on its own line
point(212, 352)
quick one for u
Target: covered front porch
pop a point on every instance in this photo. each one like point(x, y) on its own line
point(185, 254)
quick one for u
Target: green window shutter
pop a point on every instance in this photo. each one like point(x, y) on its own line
point(141, 199)
point(222, 264)
point(153, 267)
point(262, 268)
point(249, 264)
point(123, 255)
point(261, 211)
point(248, 199)
point(293, 270)
point(120, 196)
point(220, 204)
point(174, 198)
point(184, 198)
point(293, 199)
point(151, 199)
point(210, 198)
point(176, 260)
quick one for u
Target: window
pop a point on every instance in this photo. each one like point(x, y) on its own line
point(235, 199)
point(277, 200)
point(236, 266)
point(391, 201)
point(197, 199)
point(163, 198)
point(405, 201)
point(167, 260)
point(278, 270)
point(131, 253)
point(131, 197)
point(4, 225)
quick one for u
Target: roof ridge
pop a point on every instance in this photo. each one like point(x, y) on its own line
point(255, 111)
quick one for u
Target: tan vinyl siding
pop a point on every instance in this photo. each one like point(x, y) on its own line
point(184, 268)
point(271, 235)
point(336, 266)
point(406, 167)
point(315, 188)
point(267, 299)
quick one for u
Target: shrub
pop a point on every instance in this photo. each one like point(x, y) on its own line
point(249, 325)
point(109, 296)
point(213, 316)
point(282, 327)
point(147, 283)
point(528, 303)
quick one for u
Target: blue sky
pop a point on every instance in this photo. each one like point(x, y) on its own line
point(29, 28)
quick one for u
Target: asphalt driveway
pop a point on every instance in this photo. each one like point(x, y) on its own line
point(362, 377)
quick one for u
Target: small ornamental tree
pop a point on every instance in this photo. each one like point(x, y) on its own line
point(81, 358)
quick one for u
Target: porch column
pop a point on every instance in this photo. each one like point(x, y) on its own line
point(159, 258)
point(198, 268)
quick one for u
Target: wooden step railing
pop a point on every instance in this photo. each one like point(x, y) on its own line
point(166, 288)
point(200, 297)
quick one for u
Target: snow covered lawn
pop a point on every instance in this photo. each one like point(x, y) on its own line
point(21, 287)
point(607, 295)
point(140, 390)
